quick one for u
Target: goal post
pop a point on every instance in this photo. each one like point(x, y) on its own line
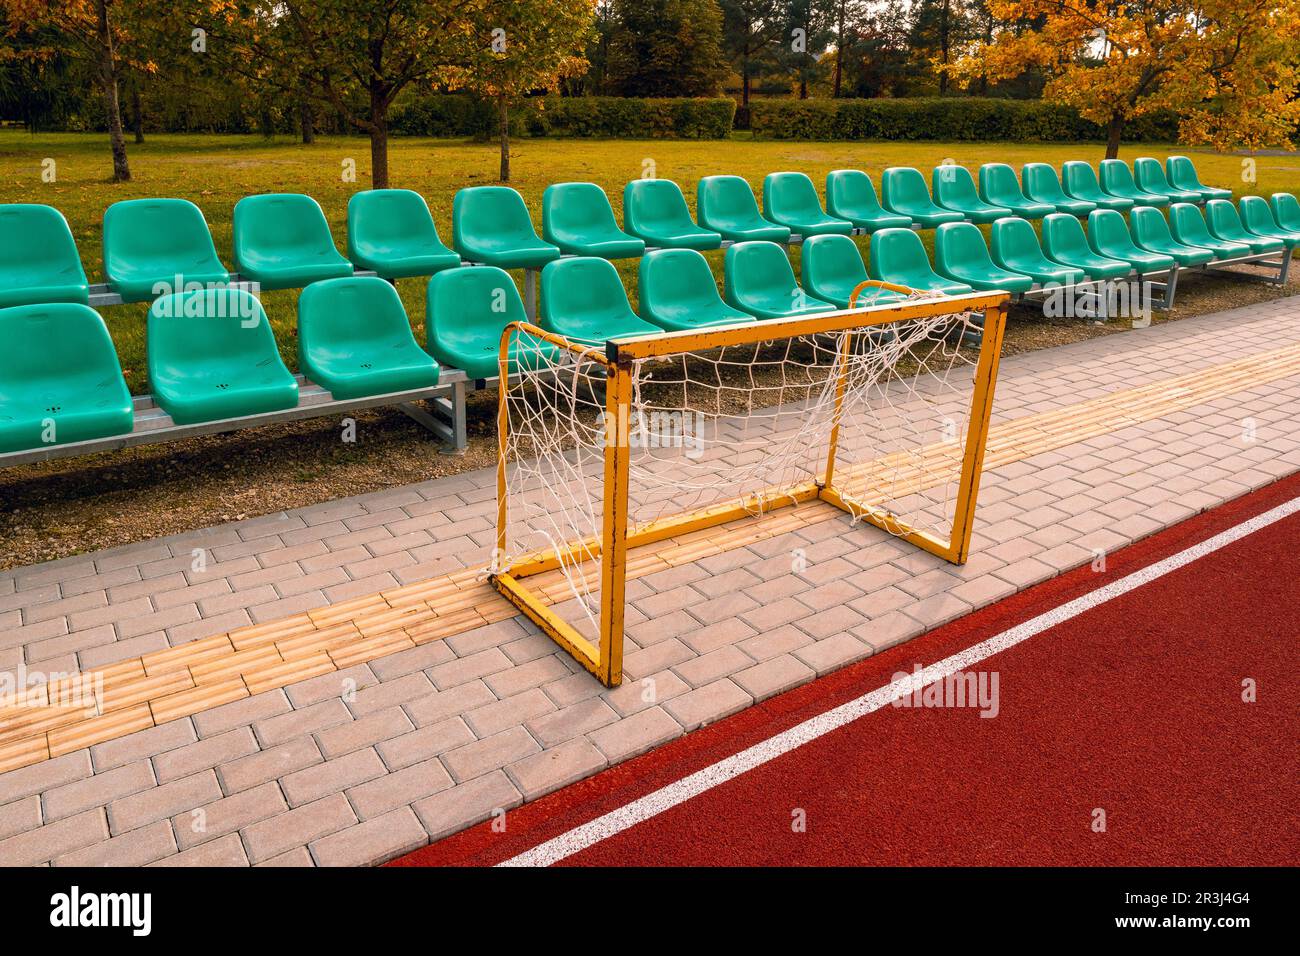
point(659, 438)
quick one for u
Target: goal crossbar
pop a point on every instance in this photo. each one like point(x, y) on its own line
point(604, 658)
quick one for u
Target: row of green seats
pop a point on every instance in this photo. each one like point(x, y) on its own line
point(491, 224)
point(1111, 248)
point(211, 356)
point(157, 246)
point(584, 299)
point(954, 195)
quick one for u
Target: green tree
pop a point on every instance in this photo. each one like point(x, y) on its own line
point(353, 56)
point(40, 85)
point(809, 31)
point(848, 23)
point(940, 29)
point(543, 42)
point(875, 59)
point(596, 80)
point(751, 30)
point(666, 48)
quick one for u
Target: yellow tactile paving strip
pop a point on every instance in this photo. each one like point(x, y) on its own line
point(139, 693)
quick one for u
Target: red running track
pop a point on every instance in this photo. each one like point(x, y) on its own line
point(1134, 707)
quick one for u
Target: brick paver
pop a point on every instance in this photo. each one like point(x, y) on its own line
point(376, 758)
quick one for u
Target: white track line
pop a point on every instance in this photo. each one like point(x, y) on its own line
point(616, 821)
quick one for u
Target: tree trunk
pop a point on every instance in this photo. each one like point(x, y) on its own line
point(1114, 130)
point(944, 27)
point(108, 87)
point(379, 154)
point(379, 100)
point(839, 50)
point(308, 122)
point(744, 80)
point(503, 107)
point(137, 115)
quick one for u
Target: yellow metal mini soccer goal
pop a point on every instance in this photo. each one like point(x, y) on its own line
point(616, 461)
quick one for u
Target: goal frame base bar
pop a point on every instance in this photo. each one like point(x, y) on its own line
point(604, 657)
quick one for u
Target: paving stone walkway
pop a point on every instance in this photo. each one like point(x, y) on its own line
point(360, 765)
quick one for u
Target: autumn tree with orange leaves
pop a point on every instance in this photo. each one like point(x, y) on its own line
point(1227, 68)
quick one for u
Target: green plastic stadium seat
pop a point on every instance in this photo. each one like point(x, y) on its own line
point(655, 210)
point(832, 269)
point(998, 187)
point(960, 255)
point(897, 256)
point(790, 199)
point(1042, 185)
point(1258, 219)
point(39, 261)
point(1182, 175)
point(150, 244)
point(283, 242)
point(726, 205)
point(1079, 180)
point(850, 195)
point(578, 218)
point(902, 191)
point(1065, 242)
point(1109, 236)
point(758, 279)
point(1222, 220)
point(1188, 226)
point(1015, 248)
point(354, 339)
point(1151, 232)
point(60, 381)
point(1150, 176)
point(467, 310)
point(391, 232)
point(676, 291)
point(491, 225)
point(1117, 180)
point(1286, 210)
point(212, 356)
point(584, 299)
point(954, 189)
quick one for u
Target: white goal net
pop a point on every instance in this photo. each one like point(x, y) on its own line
point(721, 431)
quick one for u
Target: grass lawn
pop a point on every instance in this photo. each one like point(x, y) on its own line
point(215, 172)
point(65, 507)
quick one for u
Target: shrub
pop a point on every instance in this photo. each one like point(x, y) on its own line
point(946, 118)
point(579, 116)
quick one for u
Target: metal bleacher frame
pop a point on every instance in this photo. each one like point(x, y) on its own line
point(154, 426)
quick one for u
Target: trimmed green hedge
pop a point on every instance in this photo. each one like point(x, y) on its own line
point(949, 118)
point(591, 116)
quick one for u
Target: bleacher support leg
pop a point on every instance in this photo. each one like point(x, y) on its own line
point(530, 294)
point(460, 439)
point(1171, 286)
point(447, 420)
